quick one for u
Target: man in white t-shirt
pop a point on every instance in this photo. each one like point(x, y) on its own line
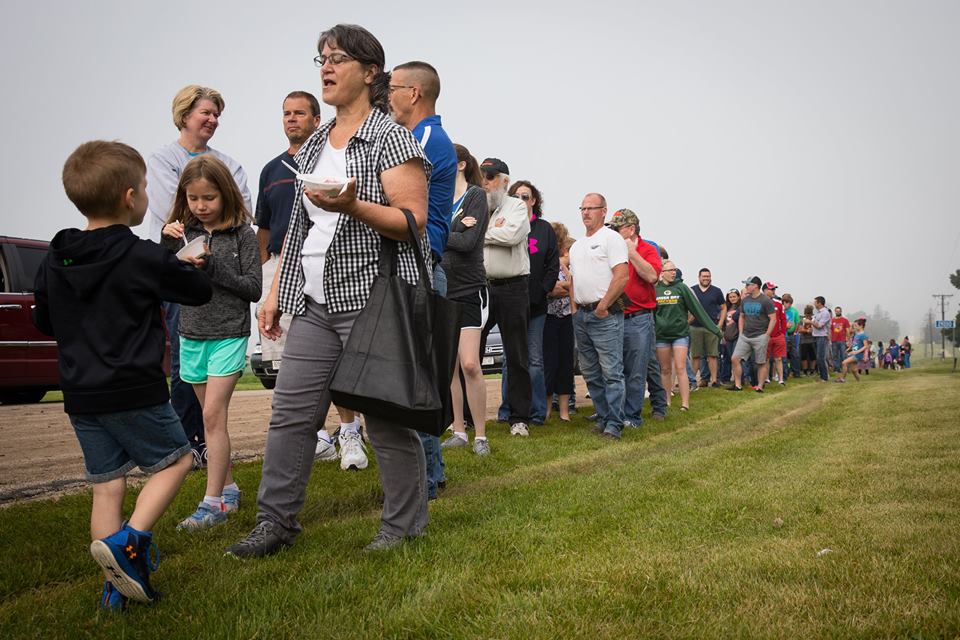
point(599, 270)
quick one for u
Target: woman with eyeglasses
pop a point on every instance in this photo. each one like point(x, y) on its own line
point(196, 114)
point(467, 284)
point(675, 302)
point(731, 332)
point(327, 268)
point(544, 269)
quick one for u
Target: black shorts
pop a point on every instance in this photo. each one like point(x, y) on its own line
point(473, 310)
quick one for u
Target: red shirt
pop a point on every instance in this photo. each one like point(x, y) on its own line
point(642, 294)
point(838, 329)
point(780, 328)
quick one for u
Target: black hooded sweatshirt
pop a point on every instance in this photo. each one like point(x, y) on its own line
point(99, 293)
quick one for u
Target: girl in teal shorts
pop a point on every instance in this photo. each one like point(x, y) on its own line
point(208, 207)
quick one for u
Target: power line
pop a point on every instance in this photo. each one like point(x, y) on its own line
point(943, 316)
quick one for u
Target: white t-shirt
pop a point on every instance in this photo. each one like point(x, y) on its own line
point(592, 260)
point(332, 162)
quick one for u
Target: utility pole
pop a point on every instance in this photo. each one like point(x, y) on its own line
point(943, 316)
point(930, 332)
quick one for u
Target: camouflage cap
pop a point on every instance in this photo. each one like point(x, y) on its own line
point(622, 218)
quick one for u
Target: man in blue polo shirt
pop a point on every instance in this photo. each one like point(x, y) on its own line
point(414, 89)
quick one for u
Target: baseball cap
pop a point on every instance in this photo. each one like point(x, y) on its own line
point(494, 165)
point(754, 280)
point(622, 218)
point(769, 285)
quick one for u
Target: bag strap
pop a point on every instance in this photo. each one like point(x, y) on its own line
point(415, 242)
point(389, 260)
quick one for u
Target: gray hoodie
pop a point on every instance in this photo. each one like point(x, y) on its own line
point(234, 269)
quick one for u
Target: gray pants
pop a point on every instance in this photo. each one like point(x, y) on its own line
point(300, 404)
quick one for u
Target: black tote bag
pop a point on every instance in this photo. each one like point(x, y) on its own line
point(398, 361)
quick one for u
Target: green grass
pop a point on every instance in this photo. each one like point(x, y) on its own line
point(706, 525)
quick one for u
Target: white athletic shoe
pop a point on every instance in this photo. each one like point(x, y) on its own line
point(326, 451)
point(519, 429)
point(353, 453)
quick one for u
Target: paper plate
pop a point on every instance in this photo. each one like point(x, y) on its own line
point(193, 249)
point(329, 184)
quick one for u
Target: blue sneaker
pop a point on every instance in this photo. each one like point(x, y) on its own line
point(126, 563)
point(231, 499)
point(111, 599)
point(204, 517)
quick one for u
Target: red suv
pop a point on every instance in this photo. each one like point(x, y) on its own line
point(28, 359)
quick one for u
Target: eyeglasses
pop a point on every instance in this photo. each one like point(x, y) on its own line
point(334, 59)
point(397, 87)
point(524, 196)
point(665, 270)
point(582, 209)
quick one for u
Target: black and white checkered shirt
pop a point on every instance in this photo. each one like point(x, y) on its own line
point(351, 262)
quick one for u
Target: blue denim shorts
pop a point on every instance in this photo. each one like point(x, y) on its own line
point(151, 438)
point(679, 342)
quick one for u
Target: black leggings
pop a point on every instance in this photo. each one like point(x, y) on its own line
point(558, 355)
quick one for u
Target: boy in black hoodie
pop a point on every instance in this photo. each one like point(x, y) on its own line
point(98, 293)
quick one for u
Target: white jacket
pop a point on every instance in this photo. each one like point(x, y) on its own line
point(505, 251)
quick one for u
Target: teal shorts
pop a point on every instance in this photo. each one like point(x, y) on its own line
point(202, 358)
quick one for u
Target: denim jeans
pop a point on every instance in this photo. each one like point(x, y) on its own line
point(822, 345)
point(440, 280)
point(839, 350)
point(436, 470)
point(182, 396)
point(793, 355)
point(638, 349)
point(691, 376)
point(538, 388)
point(600, 342)
point(658, 395)
point(726, 368)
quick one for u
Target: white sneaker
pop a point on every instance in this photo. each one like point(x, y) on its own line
point(325, 450)
point(353, 453)
point(519, 429)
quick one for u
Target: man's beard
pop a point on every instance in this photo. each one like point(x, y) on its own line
point(495, 197)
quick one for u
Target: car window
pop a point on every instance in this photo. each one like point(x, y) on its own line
point(4, 278)
point(30, 259)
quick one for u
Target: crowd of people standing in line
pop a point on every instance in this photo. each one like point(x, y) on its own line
point(611, 300)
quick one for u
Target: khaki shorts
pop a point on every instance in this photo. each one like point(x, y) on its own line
point(756, 346)
point(703, 343)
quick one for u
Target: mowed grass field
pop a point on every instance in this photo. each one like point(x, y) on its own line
point(815, 511)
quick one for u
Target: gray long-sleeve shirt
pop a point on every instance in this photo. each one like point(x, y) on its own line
point(164, 167)
point(234, 269)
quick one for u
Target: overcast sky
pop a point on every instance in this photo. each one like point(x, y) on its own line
point(812, 143)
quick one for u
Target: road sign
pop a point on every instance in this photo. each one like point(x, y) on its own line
point(945, 324)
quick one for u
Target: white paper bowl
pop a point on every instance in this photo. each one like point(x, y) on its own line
point(193, 249)
point(331, 185)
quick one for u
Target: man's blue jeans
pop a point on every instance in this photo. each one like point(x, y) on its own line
point(182, 396)
point(839, 351)
point(639, 340)
point(538, 388)
point(822, 344)
point(436, 470)
point(600, 342)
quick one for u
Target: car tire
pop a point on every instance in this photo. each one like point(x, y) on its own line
point(26, 396)
point(268, 383)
